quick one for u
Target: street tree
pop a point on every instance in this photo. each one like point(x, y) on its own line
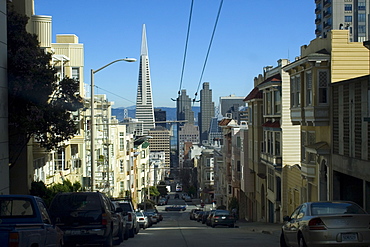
point(40, 105)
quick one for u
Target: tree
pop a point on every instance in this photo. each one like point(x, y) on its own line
point(39, 105)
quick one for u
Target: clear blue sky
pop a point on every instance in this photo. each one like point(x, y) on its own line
point(249, 36)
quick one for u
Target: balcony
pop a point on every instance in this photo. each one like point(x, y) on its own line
point(318, 31)
point(317, 20)
point(317, 1)
point(308, 170)
point(327, 25)
point(318, 10)
point(327, 14)
point(272, 160)
point(296, 115)
point(327, 3)
point(317, 116)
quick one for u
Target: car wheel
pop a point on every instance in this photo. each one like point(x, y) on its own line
point(109, 241)
point(282, 241)
point(126, 235)
point(121, 236)
point(69, 244)
point(301, 242)
point(132, 233)
point(213, 225)
point(231, 226)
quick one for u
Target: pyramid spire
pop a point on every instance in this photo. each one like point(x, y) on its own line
point(144, 104)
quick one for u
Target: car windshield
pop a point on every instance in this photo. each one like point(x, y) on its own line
point(333, 208)
point(76, 201)
point(125, 207)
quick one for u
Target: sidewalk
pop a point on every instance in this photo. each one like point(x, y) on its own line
point(261, 227)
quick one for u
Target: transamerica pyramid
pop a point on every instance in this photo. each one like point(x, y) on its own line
point(144, 99)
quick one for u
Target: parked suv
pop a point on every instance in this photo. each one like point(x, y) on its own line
point(87, 218)
point(131, 221)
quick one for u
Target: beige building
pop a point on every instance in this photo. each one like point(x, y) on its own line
point(323, 62)
point(350, 140)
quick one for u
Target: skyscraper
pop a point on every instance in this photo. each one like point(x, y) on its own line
point(207, 112)
point(343, 14)
point(144, 99)
point(183, 108)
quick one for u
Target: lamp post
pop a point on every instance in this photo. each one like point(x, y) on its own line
point(92, 120)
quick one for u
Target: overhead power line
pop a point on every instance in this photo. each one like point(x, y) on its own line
point(114, 94)
point(209, 48)
point(186, 46)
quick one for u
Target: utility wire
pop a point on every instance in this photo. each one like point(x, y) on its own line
point(186, 45)
point(209, 48)
point(114, 94)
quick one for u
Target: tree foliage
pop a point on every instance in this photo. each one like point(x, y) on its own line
point(39, 105)
point(47, 193)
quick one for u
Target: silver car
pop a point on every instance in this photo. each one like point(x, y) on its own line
point(334, 223)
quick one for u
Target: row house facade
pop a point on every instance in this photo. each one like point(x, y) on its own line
point(307, 135)
point(327, 119)
point(122, 164)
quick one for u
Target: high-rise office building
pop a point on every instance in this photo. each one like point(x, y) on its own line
point(160, 118)
point(230, 104)
point(343, 14)
point(144, 99)
point(183, 108)
point(207, 112)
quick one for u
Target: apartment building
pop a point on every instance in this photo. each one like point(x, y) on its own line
point(350, 141)
point(325, 61)
point(351, 15)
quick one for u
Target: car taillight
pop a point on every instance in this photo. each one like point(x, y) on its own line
point(216, 217)
point(231, 217)
point(13, 239)
point(104, 220)
point(316, 224)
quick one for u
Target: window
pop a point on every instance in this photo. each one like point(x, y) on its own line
point(308, 89)
point(323, 86)
point(277, 143)
point(121, 166)
point(348, 7)
point(271, 179)
point(361, 6)
point(298, 90)
point(348, 18)
point(277, 102)
point(361, 29)
point(361, 18)
point(76, 74)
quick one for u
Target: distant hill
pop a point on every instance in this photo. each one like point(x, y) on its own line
point(170, 112)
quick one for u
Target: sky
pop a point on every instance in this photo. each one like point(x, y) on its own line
point(249, 36)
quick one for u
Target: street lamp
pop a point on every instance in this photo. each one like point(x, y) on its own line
point(92, 120)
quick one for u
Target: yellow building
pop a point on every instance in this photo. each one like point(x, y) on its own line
point(322, 62)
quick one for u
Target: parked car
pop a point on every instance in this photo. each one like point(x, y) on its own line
point(204, 217)
point(175, 208)
point(331, 223)
point(25, 221)
point(162, 201)
point(152, 213)
point(223, 218)
point(150, 221)
point(131, 221)
point(142, 219)
point(192, 213)
point(208, 220)
point(86, 218)
point(199, 215)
